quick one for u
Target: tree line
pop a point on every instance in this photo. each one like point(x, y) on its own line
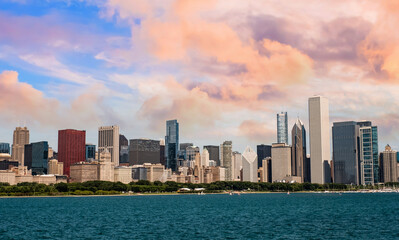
point(144, 186)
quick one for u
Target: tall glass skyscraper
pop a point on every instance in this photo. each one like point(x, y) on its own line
point(171, 144)
point(282, 127)
point(36, 157)
point(298, 151)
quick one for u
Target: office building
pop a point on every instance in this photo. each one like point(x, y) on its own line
point(83, 172)
point(106, 166)
point(123, 149)
point(263, 151)
point(172, 144)
point(298, 151)
point(191, 152)
point(281, 162)
point(388, 165)
point(20, 139)
point(369, 159)
point(162, 157)
point(345, 137)
point(144, 151)
point(282, 127)
point(213, 153)
point(90, 152)
point(319, 133)
point(71, 148)
point(123, 174)
point(36, 157)
point(227, 159)
point(205, 158)
point(108, 137)
point(237, 163)
point(139, 172)
point(55, 167)
point(5, 148)
point(249, 165)
point(264, 171)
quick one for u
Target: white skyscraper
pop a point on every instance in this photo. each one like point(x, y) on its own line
point(108, 137)
point(205, 158)
point(319, 133)
point(249, 165)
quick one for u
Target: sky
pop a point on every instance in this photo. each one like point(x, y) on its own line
point(224, 69)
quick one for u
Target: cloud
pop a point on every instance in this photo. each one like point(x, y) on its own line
point(255, 131)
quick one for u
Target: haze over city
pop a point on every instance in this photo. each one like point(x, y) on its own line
point(224, 69)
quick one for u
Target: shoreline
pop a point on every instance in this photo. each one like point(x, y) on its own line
point(181, 194)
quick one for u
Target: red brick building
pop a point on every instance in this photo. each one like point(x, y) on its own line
point(71, 147)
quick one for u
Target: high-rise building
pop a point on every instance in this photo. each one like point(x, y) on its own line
point(369, 159)
point(90, 152)
point(144, 151)
point(237, 163)
point(205, 158)
point(281, 162)
point(123, 149)
point(213, 153)
point(298, 151)
point(4, 148)
point(71, 148)
point(55, 167)
point(263, 151)
point(388, 165)
point(249, 165)
point(162, 157)
point(108, 137)
point(227, 159)
point(345, 137)
point(20, 139)
point(191, 152)
point(172, 144)
point(282, 127)
point(319, 133)
point(36, 157)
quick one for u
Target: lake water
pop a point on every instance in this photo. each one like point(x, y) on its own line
point(248, 216)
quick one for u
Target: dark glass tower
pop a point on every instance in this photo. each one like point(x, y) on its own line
point(263, 152)
point(346, 152)
point(36, 157)
point(298, 152)
point(172, 144)
point(90, 152)
point(5, 148)
point(213, 153)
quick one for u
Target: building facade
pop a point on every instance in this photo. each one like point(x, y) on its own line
point(263, 151)
point(369, 159)
point(108, 137)
point(172, 144)
point(20, 139)
point(282, 127)
point(36, 157)
point(90, 152)
point(227, 159)
point(213, 153)
point(345, 136)
point(298, 152)
point(144, 151)
point(5, 148)
point(388, 165)
point(237, 162)
point(249, 165)
point(71, 148)
point(281, 162)
point(123, 149)
point(319, 133)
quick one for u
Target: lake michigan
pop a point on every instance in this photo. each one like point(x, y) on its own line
point(212, 216)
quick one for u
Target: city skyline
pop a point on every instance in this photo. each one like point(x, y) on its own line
point(225, 81)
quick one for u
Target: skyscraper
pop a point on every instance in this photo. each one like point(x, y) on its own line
point(144, 151)
point(227, 160)
point(71, 148)
point(172, 144)
point(36, 157)
point(298, 151)
point(20, 138)
point(369, 160)
point(388, 165)
point(213, 153)
point(345, 137)
point(123, 149)
point(281, 162)
point(249, 165)
point(282, 127)
point(263, 152)
point(319, 133)
point(205, 158)
point(237, 162)
point(108, 137)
